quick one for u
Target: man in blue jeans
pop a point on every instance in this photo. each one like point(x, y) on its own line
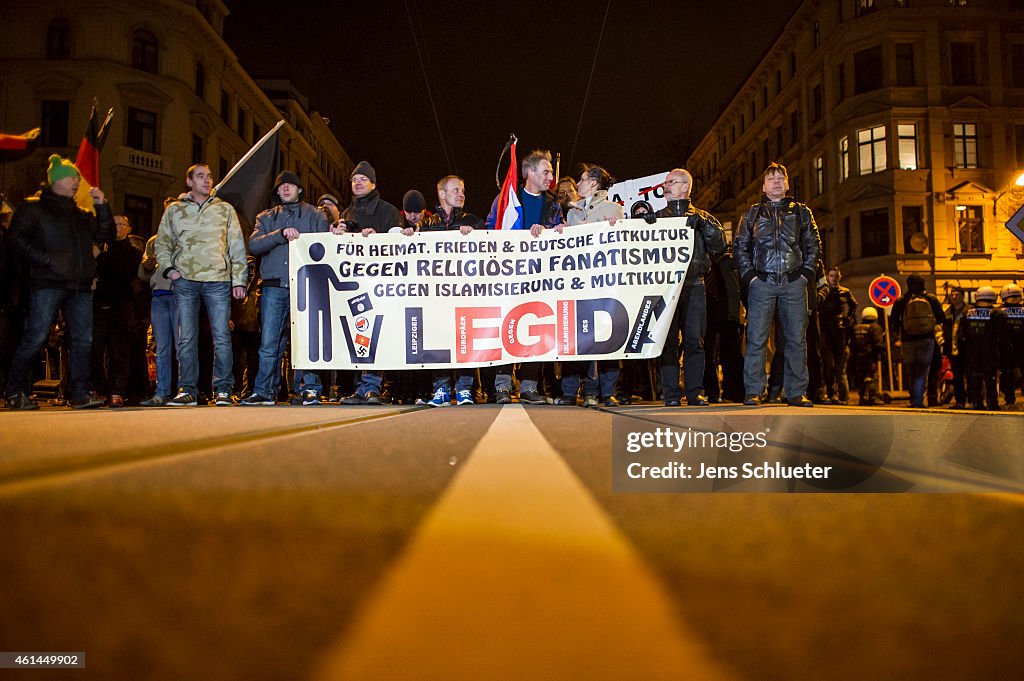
point(275, 229)
point(776, 251)
point(54, 237)
point(914, 318)
point(163, 316)
point(200, 249)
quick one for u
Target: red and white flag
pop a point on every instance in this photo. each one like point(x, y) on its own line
point(510, 211)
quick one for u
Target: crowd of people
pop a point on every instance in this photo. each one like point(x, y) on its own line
point(758, 320)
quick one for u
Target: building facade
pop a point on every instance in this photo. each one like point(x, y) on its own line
point(901, 123)
point(178, 92)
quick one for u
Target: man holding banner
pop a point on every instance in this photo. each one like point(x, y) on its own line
point(691, 311)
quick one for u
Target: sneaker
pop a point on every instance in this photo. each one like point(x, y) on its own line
point(90, 401)
point(613, 401)
point(564, 402)
point(374, 398)
point(256, 399)
point(222, 398)
point(590, 401)
point(503, 397)
point(155, 401)
point(463, 397)
point(183, 399)
point(531, 397)
point(800, 402)
point(752, 400)
point(310, 398)
point(354, 398)
point(116, 401)
point(698, 401)
point(21, 402)
point(441, 398)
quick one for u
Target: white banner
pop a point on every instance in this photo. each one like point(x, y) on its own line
point(444, 299)
point(649, 189)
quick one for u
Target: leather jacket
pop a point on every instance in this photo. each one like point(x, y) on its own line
point(709, 237)
point(777, 241)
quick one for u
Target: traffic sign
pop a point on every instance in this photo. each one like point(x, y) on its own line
point(884, 291)
point(1013, 224)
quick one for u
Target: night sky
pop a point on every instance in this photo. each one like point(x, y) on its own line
point(663, 73)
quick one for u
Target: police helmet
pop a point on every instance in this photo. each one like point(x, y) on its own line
point(869, 314)
point(1009, 291)
point(985, 294)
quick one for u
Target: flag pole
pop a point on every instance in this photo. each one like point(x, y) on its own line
point(248, 155)
point(497, 170)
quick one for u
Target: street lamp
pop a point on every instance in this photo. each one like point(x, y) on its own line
point(1017, 184)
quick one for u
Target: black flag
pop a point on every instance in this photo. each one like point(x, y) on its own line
point(247, 186)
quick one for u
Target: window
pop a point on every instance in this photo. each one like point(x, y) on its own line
point(906, 134)
point(905, 65)
point(864, 6)
point(792, 64)
point(796, 186)
point(255, 132)
point(778, 81)
point(225, 107)
point(841, 83)
point(54, 121)
point(200, 80)
point(911, 229)
point(847, 244)
point(871, 150)
point(224, 167)
point(962, 68)
point(141, 130)
point(816, 104)
point(778, 142)
point(764, 97)
point(819, 175)
point(971, 229)
point(743, 123)
point(965, 145)
point(58, 39)
point(144, 51)
point(874, 233)
point(844, 159)
point(753, 111)
point(1017, 65)
point(867, 70)
point(139, 211)
point(794, 127)
point(766, 152)
point(197, 149)
point(243, 122)
point(817, 34)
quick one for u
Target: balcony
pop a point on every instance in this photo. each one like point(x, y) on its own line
point(144, 161)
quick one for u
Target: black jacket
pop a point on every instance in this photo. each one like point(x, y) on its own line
point(708, 235)
point(373, 212)
point(438, 220)
point(837, 310)
point(776, 241)
point(116, 269)
point(55, 237)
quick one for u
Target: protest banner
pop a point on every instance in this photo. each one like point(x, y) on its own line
point(649, 189)
point(492, 297)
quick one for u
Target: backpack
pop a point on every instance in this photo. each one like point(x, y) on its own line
point(918, 318)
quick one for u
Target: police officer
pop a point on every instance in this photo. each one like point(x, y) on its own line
point(1013, 363)
point(866, 351)
point(981, 339)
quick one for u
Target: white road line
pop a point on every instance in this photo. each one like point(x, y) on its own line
point(517, 573)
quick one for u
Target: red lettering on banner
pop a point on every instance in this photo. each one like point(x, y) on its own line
point(545, 333)
point(566, 329)
point(467, 332)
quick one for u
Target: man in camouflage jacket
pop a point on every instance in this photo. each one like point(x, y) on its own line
point(201, 250)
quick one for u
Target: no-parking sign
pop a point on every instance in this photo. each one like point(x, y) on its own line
point(884, 291)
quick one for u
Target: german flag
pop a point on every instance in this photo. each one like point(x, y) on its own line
point(88, 159)
point(14, 147)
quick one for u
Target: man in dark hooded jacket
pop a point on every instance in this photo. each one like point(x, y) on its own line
point(55, 238)
point(275, 229)
point(913, 321)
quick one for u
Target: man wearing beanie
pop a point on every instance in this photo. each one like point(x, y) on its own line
point(275, 228)
point(55, 238)
point(200, 248)
point(414, 212)
point(369, 214)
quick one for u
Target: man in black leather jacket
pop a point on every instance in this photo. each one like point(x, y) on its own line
point(691, 310)
point(55, 238)
point(776, 250)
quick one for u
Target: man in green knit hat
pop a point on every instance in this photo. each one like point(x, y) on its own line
point(54, 237)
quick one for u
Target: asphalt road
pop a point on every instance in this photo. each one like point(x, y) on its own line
point(488, 543)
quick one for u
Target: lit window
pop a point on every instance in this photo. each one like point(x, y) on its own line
point(819, 175)
point(844, 158)
point(871, 150)
point(971, 229)
point(907, 134)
